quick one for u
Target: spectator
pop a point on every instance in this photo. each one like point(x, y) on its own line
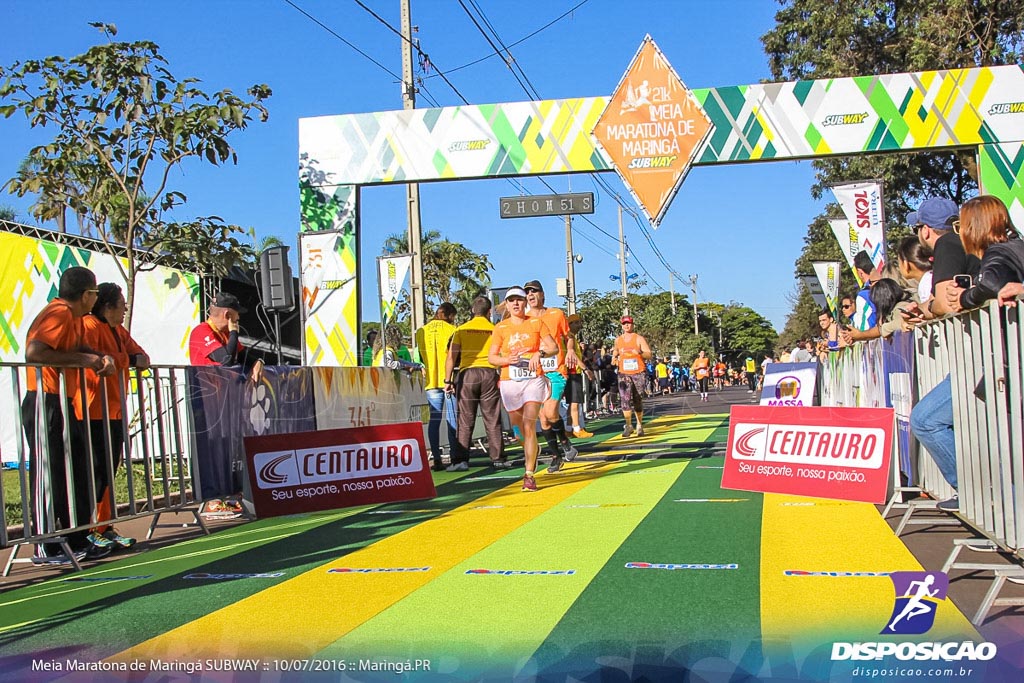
point(215, 341)
point(432, 341)
point(385, 351)
point(476, 384)
point(987, 232)
point(800, 353)
point(846, 309)
point(750, 367)
point(889, 297)
point(829, 333)
point(1009, 294)
point(103, 330)
point(55, 339)
point(367, 357)
point(915, 263)
point(574, 382)
point(864, 317)
point(931, 418)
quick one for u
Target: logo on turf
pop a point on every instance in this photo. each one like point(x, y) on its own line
point(918, 595)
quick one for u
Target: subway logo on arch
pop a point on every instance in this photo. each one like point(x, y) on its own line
point(861, 447)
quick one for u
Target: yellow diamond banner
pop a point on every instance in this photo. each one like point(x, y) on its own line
point(652, 129)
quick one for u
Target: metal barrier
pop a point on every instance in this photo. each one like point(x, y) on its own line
point(156, 476)
point(980, 351)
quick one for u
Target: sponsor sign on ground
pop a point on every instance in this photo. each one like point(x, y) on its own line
point(789, 384)
point(326, 470)
point(841, 453)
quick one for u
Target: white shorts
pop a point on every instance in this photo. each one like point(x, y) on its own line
point(517, 394)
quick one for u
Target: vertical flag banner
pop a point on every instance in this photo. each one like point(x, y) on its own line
point(814, 289)
point(862, 204)
point(828, 276)
point(391, 273)
point(847, 238)
point(329, 303)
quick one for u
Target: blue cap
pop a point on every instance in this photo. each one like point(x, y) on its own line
point(935, 212)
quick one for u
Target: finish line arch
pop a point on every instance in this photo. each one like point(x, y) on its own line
point(931, 110)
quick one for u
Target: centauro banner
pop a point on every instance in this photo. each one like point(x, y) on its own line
point(862, 204)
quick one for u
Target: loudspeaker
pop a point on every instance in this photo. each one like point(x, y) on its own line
point(276, 280)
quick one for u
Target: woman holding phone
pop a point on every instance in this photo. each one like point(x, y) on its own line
point(988, 233)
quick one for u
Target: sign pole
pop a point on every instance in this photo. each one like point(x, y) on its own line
point(570, 268)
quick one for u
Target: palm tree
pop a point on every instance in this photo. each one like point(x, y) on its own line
point(451, 271)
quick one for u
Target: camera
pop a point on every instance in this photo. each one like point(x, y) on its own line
point(963, 281)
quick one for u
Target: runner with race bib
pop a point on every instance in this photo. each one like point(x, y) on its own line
point(556, 369)
point(629, 354)
point(518, 345)
point(701, 369)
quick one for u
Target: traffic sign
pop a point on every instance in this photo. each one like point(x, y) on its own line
point(534, 205)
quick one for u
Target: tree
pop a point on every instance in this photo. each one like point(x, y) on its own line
point(815, 39)
point(451, 271)
point(7, 213)
point(123, 124)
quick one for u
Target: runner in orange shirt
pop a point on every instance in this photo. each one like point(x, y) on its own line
point(518, 345)
point(718, 372)
point(701, 369)
point(556, 369)
point(629, 354)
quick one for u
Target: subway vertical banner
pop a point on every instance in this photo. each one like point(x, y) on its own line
point(337, 468)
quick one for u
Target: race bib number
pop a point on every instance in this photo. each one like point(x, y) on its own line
point(701, 373)
point(520, 373)
point(549, 364)
point(630, 365)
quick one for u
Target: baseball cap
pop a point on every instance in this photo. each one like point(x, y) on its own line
point(533, 284)
point(515, 292)
point(626, 319)
point(574, 318)
point(935, 212)
point(225, 300)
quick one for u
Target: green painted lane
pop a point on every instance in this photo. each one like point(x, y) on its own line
point(94, 619)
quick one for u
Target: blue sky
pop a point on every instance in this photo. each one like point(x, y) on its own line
point(738, 227)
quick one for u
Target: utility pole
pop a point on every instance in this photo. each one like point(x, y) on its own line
point(693, 286)
point(672, 293)
point(622, 265)
point(419, 317)
point(570, 268)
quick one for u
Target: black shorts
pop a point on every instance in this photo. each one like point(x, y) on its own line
point(574, 389)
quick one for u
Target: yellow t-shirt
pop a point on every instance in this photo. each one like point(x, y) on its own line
point(472, 338)
point(432, 341)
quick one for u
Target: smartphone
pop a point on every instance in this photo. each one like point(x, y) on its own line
point(963, 281)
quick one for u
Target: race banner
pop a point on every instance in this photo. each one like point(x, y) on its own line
point(847, 238)
point(327, 470)
point(789, 384)
point(839, 453)
point(814, 289)
point(227, 407)
point(828, 277)
point(862, 204)
point(367, 397)
point(391, 273)
point(328, 277)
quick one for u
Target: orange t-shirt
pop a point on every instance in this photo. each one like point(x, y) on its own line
point(57, 327)
point(558, 325)
point(631, 360)
point(719, 369)
point(115, 342)
point(523, 337)
point(700, 367)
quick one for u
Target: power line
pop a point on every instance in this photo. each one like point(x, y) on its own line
point(415, 47)
point(333, 33)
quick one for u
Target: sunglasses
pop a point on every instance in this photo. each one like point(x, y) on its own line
point(847, 305)
point(531, 290)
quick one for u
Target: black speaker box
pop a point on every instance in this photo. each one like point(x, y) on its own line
point(276, 280)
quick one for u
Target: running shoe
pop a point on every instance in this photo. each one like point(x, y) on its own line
point(951, 505)
point(582, 433)
point(627, 431)
point(529, 485)
point(457, 467)
point(501, 464)
point(99, 541)
point(119, 541)
point(640, 430)
point(56, 560)
point(569, 452)
point(555, 466)
point(97, 550)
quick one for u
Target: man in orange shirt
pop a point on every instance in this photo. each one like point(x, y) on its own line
point(629, 354)
point(55, 340)
point(556, 369)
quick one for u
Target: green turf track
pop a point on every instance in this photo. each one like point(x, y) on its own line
point(58, 613)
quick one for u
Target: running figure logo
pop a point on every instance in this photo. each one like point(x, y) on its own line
point(918, 595)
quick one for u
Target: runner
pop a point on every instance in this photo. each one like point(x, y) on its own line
point(662, 373)
point(718, 372)
point(702, 371)
point(629, 354)
point(557, 371)
point(517, 346)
